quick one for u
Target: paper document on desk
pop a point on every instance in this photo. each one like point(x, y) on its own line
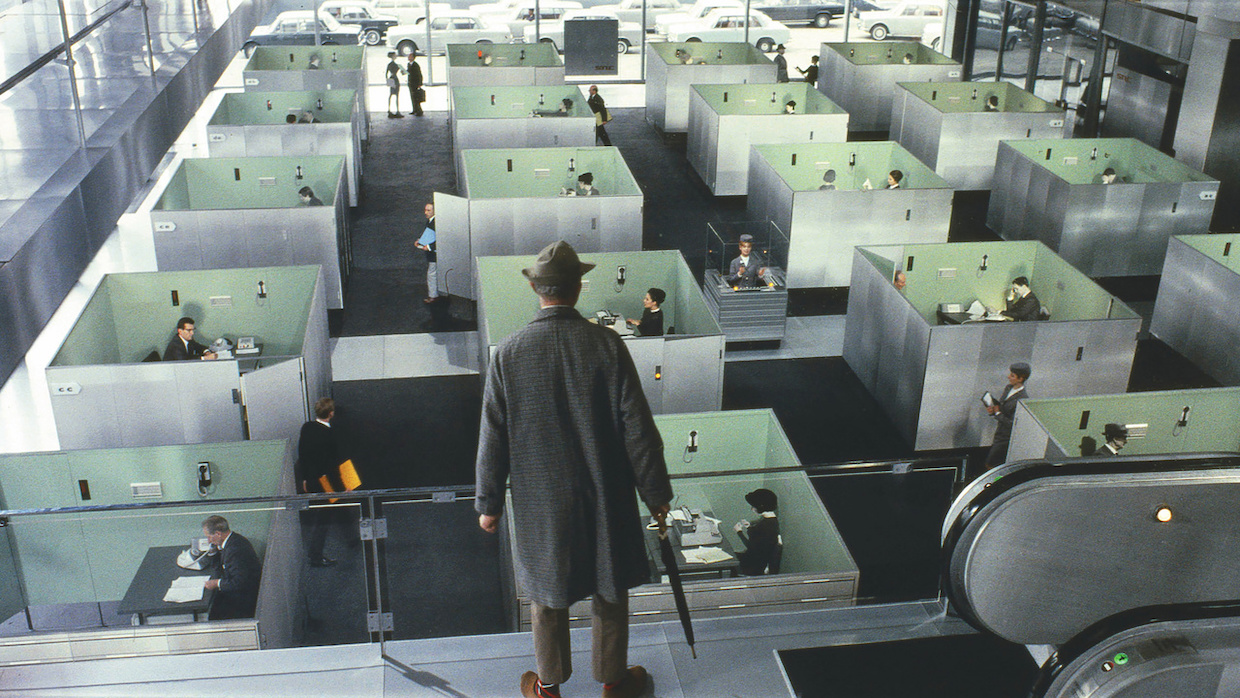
point(705, 555)
point(186, 589)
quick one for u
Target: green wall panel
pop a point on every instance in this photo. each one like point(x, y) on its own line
point(211, 184)
point(262, 108)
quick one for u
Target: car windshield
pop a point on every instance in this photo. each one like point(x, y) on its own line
point(330, 22)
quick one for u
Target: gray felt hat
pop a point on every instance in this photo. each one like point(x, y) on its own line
point(557, 264)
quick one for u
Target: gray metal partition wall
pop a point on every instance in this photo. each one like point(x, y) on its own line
point(60, 204)
point(866, 90)
point(929, 378)
point(1195, 313)
point(508, 64)
point(230, 136)
point(961, 146)
point(718, 140)
point(1116, 230)
point(210, 235)
point(668, 84)
point(283, 69)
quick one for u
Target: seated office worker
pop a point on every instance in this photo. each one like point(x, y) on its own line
point(760, 536)
point(1116, 436)
point(237, 571)
point(651, 324)
point(1109, 176)
point(828, 181)
point(894, 178)
point(183, 347)
point(1004, 411)
point(306, 194)
point(746, 269)
point(1022, 304)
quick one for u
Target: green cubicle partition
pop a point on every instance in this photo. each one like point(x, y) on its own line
point(109, 388)
point(1171, 421)
point(268, 108)
point(542, 172)
point(680, 371)
point(287, 68)
point(709, 53)
point(297, 58)
point(928, 368)
point(801, 165)
point(748, 99)
point(91, 556)
point(734, 453)
point(963, 97)
point(516, 101)
point(888, 53)
point(1082, 160)
point(1196, 312)
point(210, 184)
point(503, 56)
point(862, 77)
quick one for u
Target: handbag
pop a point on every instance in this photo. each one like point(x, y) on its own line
point(348, 477)
point(393, 83)
point(421, 95)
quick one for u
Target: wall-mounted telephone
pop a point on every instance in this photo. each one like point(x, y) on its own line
point(204, 478)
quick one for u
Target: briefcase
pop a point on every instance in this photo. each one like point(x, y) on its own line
point(348, 477)
point(421, 95)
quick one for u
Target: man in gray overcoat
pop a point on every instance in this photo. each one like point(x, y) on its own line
point(564, 418)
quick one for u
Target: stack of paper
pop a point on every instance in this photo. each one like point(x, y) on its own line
point(186, 589)
point(705, 555)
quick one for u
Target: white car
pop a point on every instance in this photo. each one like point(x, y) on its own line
point(409, 11)
point(363, 15)
point(631, 10)
point(450, 27)
point(553, 32)
point(522, 15)
point(700, 9)
point(905, 19)
point(729, 25)
point(297, 28)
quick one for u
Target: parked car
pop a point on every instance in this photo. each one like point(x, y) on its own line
point(522, 14)
point(409, 11)
point(450, 27)
point(698, 10)
point(989, 30)
point(905, 19)
point(816, 12)
point(553, 32)
point(296, 28)
point(363, 15)
point(631, 10)
point(729, 25)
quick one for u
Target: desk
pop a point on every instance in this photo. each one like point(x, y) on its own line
point(962, 318)
point(145, 596)
point(690, 570)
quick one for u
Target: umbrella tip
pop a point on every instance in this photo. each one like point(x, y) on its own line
point(693, 650)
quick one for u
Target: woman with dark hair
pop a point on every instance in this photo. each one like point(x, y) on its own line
point(760, 536)
point(651, 324)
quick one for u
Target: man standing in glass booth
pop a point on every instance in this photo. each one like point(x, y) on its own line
point(564, 417)
point(748, 267)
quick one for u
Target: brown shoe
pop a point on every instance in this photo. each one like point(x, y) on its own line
point(529, 687)
point(430, 299)
point(632, 685)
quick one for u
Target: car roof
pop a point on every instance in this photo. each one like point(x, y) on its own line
point(591, 12)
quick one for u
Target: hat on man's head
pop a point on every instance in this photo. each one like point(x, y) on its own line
point(586, 178)
point(746, 238)
point(1115, 431)
point(391, 54)
point(762, 500)
point(1021, 369)
point(557, 264)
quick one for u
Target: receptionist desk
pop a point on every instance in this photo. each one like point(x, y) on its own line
point(741, 447)
point(928, 377)
point(105, 391)
point(680, 371)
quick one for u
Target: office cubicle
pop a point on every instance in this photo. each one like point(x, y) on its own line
point(227, 213)
point(955, 127)
point(861, 77)
point(737, 452)
point(105, 394)
point(747, 314)
point(513, 203)
point(681, 371)
point(286, 69)
point(1167, 421)
point(786, 187)
point(518, 116)
point(70, 570)
point(1052, 190)
point(1196, 312)
point(725, 119)
point(503, 64)
point(669, 77)
point(929, 377)
point(256, 124)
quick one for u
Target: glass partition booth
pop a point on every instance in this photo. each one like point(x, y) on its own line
point(862, 77)
point(110, 389)
point(1196, 313)
point(928, 354)
point(747, 313)
point(673, 67)
point(286, 69)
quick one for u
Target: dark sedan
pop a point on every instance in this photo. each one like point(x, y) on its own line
point(296, 28)
point(815, 12)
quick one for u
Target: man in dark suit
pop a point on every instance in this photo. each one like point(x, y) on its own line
point(1116, 436)
point(415, 84)
point(1022, 305)
point(318, 456)
point(1004, 411)
point(183, 347)
point(238, 570)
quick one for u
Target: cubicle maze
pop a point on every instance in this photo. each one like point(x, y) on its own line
point(1052, 190)
point(862, 77)
point(681, 371)
point(736, 447)
point(286, 69)
point(1196, 312)
point(519, 116)
point(513, 203)
point(1170, 421)
point(503, 64)
point(725, 119)
point(955, 127)
point(225, 213)
point(256, 124)
point(107, 393)
point(823, 225)
point(669, 77)
point(62, 559)
point(929, 375)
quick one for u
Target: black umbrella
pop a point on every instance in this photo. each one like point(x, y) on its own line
point(678, 591)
